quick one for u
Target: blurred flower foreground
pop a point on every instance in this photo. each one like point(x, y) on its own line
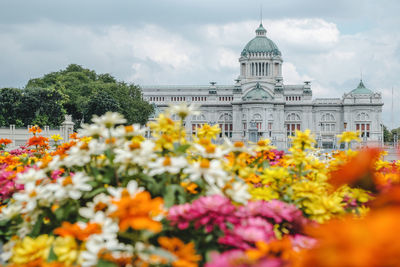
point(112, 197)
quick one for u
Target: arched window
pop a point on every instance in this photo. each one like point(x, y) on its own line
point(197, 122)
point(328, 123)
point(257, 118)
point(363, 124)
point(226, 125)
point(293, 123)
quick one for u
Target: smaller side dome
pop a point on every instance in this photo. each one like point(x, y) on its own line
point(361, 90)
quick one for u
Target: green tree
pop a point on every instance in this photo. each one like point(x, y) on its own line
point(81, 85)
point(98, 104)
point(10, 106)
point(387, 135)
point(42, 106)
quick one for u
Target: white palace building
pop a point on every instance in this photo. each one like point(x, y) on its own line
point(260, 105)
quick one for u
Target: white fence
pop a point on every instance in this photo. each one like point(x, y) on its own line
point(20, 136)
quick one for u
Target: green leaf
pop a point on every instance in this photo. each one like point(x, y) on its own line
point(95, 192)
point(52, 256)
point(36, 228)
point(104, 263)
point(169, 197)
point(181, 149)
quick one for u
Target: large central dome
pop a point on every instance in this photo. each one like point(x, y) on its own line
point(261, 44)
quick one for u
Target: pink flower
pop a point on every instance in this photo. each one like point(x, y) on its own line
point(245, 235)
point(275, 210)
point(208, 211)
point(302, 242)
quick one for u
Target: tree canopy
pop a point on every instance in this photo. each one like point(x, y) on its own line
point(77, 91)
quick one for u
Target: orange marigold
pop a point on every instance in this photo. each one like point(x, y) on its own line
point(185, 253)
point(138, 211)
point(5, 141)
point(35, 129)
point(74, 230)
point(357, 168)
point(368, 242)
point(39, 141)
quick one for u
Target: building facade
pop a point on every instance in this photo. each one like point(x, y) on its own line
point(260, 105)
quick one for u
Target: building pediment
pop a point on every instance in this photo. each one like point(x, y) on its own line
point(257, 93)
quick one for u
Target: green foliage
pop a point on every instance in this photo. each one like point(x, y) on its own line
point(99, 103)
point(76, 91)
point(88, 93)
point(31, 106)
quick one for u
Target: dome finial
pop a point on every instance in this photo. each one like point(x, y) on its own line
point(260, 14)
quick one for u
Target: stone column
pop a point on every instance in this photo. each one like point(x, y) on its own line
point(67, 127)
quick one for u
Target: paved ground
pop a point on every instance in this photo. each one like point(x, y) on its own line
point(393, 154)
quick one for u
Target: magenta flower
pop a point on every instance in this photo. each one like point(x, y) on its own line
point(208, 211)
point(245, 235)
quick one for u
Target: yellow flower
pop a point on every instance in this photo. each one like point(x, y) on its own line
point(264, 144)
point(273, 174)
point(30, 249)
point(263, 193)
point(380, 164)
point(347, 137)
point(56, 137)
point(66, 249)
point(324, 207)
point(303, 140)
point(209, 132)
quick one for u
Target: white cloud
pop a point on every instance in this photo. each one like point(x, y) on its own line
point(312, 49)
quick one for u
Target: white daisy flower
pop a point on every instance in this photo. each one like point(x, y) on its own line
point(73, 186)
point(109, 119)
point(171, 165)
point(211, 171)
point(31, 175)
point(132, 188)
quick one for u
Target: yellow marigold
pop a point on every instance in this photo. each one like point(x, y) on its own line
point(263, 193)
point(324, 207)
point(31, 249)
point(273, 174)
point(303, 140)
point(264, 144)
point(380, 164)
point(66, 249)
point(209, 132)
point(56, 137)
point(347, 137)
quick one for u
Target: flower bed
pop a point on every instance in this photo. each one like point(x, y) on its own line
point(111, 197)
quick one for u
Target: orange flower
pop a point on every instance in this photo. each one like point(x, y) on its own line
point(38, 141)
point(74, 230)
point(185, 253)
point(35, 129)
point(5, 141)
point(73, 136)
point(122, 260)
point(368, 242)
point(190, 187)
point(276, 248)
point(137, 212)
point(357, 170)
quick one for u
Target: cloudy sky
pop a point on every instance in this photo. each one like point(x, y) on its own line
point(194, 42)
